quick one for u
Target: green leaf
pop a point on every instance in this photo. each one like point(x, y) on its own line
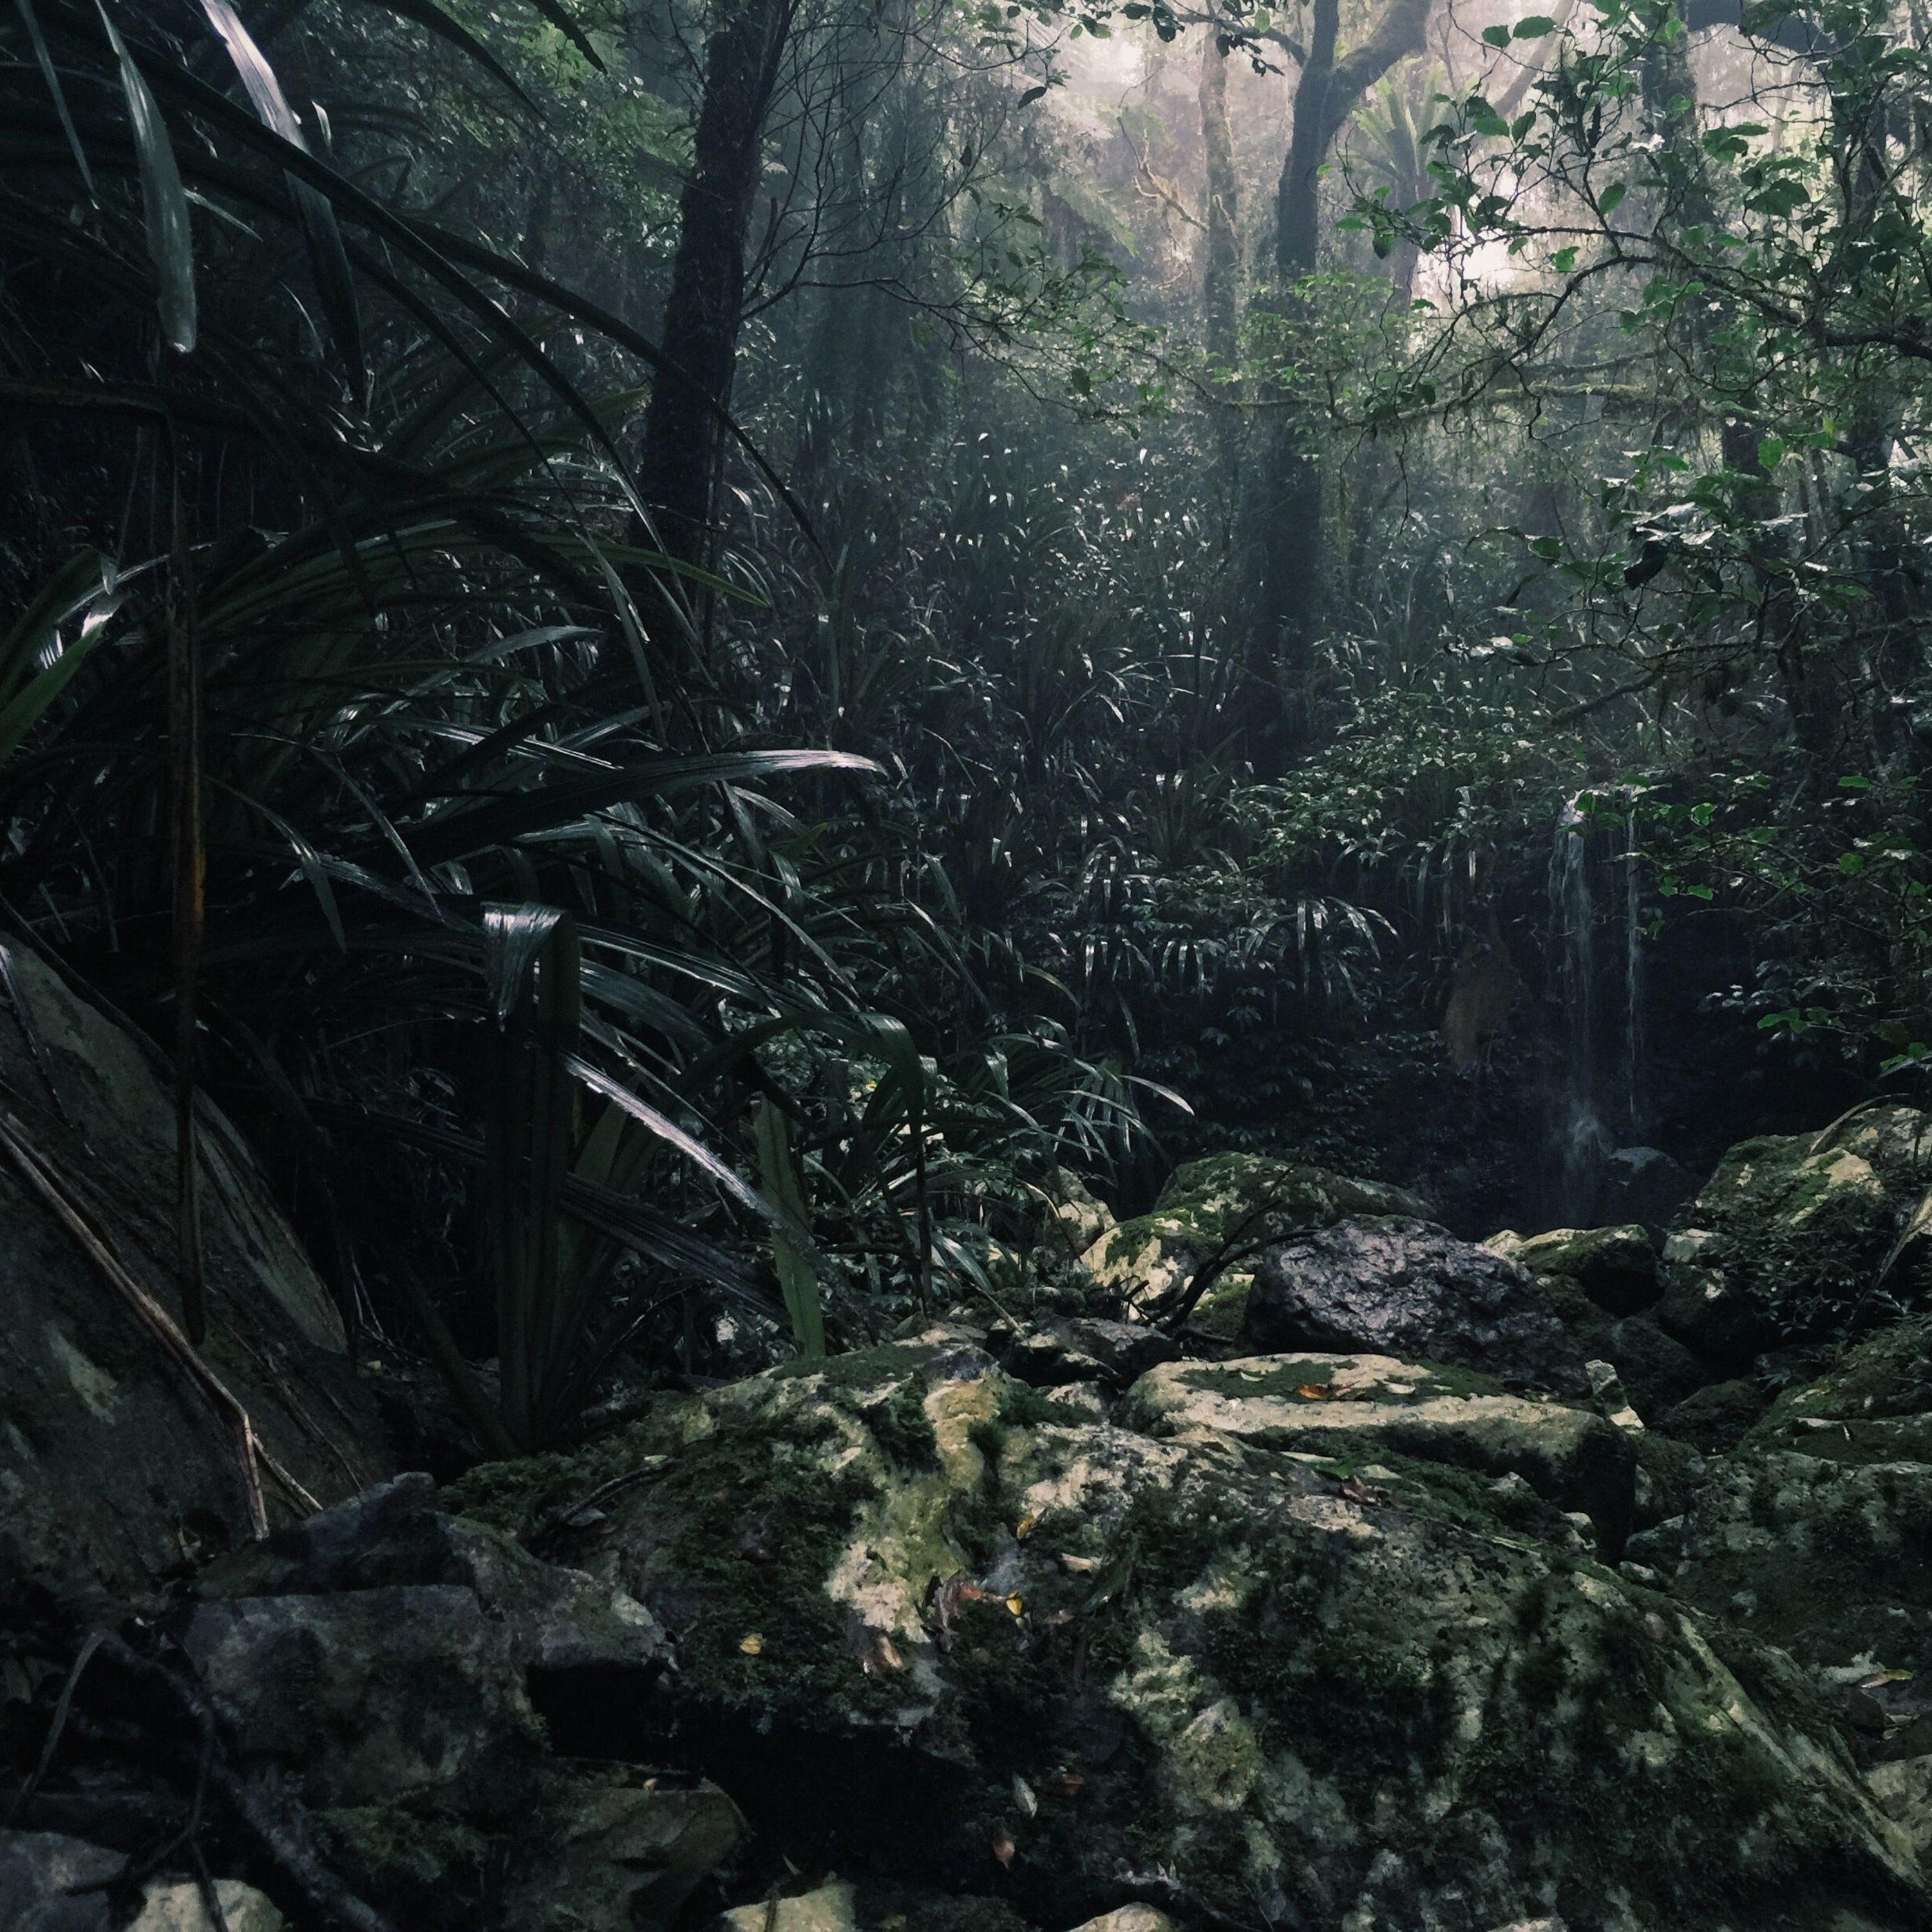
point(85, 582)
point(164, 205)
point(51, 75)
point(1851, 863)
point(1565, 260)
point(1535, 26)
point(561, 20)
point(329, 259)
point(1497, 37)
point(1771, 450)
point(1611, 198)
point(426, 13)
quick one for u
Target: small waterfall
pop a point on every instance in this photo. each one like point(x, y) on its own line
point(1633, 1057)
point(1597, 1102)
point(1581, 1141)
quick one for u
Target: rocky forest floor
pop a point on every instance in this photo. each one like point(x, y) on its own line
point(1274, 1560)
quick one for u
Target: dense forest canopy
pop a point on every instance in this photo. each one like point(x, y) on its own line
point(680, 644)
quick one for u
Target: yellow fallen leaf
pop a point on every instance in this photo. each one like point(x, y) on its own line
point(1017, 1604)
point(1314, 1391)
point(751, 1644)
point(1025, 1527)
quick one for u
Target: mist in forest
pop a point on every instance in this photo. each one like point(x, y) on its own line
point(964, 967)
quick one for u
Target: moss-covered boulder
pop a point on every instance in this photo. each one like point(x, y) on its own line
point(1233, 1204)
point(117, 1462)
point(1657, 1371)
point(1393, 1285)
point(1075, 1216)
point(1616, 1267)
point(1790, 1233)
point(930, 1633)
point(1359, 1410)
point(1716, 1417)
point(1816, 1532)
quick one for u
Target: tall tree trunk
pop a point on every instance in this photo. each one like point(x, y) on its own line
point(1291, 552)
point(683, 439)
point(1221, 277)
point(1288, 520)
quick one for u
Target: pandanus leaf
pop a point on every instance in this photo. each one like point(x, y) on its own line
point(164, 204)
point(329, 261)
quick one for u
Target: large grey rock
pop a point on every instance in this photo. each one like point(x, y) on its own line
point(402, 1670)
point(1394, 1286)
point(1817, 1533)
point(1716, 1417)
point(1083, 1348)
point(1712, 1305)
point(620, 1849)
point(1361, 1409)
point(1075, 1217)
point(45, 1881)
point(1225, 1208)
point(112, 1464)
point(398, 1535)
point(1657, 1370)
point(1282, 1684)
point(373, 1695)
point(40, 1875)
point(1790, 1233)
point(828, 1908)
point(180, 1906)
point(1644, 1185)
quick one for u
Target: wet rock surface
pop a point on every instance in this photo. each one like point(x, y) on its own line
point(1225, 1212)
point(1424, 1588)
point(1791, 1234)
point(1398, 1286)
point(1359, 1677)
point(117, 1464)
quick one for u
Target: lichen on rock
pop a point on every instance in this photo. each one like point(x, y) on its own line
point(1365, 1676)
point(1232, 1204)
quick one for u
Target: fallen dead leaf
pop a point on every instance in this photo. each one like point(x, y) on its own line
point(1025, 1527)
point(1024, 1797)
point(752, 1644)
point(1017, 1604)
point(1002, 1848)
point(1314, 1391)
point(1065, 1783)
point(1355, 1490)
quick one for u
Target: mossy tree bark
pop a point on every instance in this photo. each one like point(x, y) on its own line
point(1287, 517)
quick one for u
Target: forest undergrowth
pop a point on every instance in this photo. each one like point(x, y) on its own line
point(681, 650)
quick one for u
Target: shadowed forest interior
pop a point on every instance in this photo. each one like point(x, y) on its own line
point(965, 966)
